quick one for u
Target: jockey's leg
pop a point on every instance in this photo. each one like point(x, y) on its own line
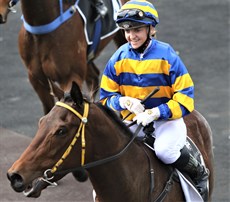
point(198, 173)
point(170, 148)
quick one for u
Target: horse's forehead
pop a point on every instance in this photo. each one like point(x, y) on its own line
point(49, 124)
point(60, 114)
point(57, 112)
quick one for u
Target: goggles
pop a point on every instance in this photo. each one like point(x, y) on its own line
point(127, 25)
point(134, 13)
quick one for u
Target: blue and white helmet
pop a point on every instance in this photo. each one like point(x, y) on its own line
point(137, 13)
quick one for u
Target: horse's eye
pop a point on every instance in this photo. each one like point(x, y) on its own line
point(61, 131)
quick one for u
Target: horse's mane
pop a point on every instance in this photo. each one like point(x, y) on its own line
point(114, 117)
point(108, 112)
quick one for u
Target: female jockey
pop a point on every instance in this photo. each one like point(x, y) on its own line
point(134, 70)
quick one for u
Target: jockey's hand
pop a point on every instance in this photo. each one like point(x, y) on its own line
point(148, 116)
point(132, 104)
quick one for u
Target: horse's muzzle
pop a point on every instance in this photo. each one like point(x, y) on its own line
point(33, 189)
point(16, 182)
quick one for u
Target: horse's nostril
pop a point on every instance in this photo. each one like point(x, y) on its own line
point(16, 182)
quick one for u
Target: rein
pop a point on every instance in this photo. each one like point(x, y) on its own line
point(111, 158)
point(49, 174)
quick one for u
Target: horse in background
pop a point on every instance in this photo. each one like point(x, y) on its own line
point(6, 6)
point(55, 59)
point(78, 134)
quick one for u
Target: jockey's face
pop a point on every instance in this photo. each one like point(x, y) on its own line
point(137, 36)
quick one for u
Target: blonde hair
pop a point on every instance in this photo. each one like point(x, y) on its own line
point(153, 32)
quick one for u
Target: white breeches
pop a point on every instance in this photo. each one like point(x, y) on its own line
point(170, 138)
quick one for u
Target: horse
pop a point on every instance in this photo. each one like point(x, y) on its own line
point(79, 134)
point(55, 59)
point(6, 6)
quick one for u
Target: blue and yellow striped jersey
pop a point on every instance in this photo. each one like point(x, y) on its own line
point(129, 73)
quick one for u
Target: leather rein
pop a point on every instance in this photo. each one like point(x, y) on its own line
point(49, 173)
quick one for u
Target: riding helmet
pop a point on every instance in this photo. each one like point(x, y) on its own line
point(137, 13)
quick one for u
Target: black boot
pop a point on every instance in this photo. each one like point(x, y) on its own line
point(197, 172)
point(100, 7)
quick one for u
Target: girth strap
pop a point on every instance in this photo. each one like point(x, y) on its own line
point(96, 39)
point(167, 187)
point(151, 175)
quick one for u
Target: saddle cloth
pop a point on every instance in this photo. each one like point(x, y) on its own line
point(89, 15)
point(190, 192)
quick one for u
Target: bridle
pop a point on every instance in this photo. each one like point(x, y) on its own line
point(80, 131)
point(49, 173)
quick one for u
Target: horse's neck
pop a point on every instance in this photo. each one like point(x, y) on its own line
point(40, 12)
point(116, 178)
point(123, 179)
point(109, 178)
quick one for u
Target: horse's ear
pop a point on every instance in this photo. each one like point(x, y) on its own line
point(76, 94)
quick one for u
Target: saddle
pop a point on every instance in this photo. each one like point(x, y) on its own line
point(96, 27)
point(90, 16)
point(149, 139)
point(187, 183)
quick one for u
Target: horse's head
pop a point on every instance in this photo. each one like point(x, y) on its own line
point(6, 6)
point(75, 135)
point(51, 151)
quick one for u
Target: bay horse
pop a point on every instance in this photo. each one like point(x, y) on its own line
point(57, 58)
point(6, 6)
point(80, 134)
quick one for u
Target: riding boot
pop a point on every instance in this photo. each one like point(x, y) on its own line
point(197, 172)
point(100, 7)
